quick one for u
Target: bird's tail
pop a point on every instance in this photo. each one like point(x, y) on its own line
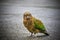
point(46, 34)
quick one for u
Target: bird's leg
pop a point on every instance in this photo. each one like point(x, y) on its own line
point(31, 34)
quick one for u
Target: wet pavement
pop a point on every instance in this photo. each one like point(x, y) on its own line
point(11, 21)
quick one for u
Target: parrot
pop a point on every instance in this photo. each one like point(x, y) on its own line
point(33, 24)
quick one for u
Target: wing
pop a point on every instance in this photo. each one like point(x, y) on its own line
point(39, 25)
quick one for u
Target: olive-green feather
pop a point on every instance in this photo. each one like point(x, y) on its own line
point(39, 25)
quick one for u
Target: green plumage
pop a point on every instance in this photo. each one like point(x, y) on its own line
point(39, 25)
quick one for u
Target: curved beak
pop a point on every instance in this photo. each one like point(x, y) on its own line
point(28, 17)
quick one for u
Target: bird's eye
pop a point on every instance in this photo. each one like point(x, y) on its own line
point(30, 14)
point(24, 15)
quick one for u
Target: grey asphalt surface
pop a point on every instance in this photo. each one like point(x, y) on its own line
point(11, 19)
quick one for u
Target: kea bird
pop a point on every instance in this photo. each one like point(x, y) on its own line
point(33, 25)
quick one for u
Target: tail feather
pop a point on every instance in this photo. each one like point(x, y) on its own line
point(46, 34)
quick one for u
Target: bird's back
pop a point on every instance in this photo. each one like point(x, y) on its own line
point(39, 25)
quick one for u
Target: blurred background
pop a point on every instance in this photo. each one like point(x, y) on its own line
point(11, 18)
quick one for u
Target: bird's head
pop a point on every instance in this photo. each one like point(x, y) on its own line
point(27, 15)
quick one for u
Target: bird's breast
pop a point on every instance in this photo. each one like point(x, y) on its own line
point(28, 24)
